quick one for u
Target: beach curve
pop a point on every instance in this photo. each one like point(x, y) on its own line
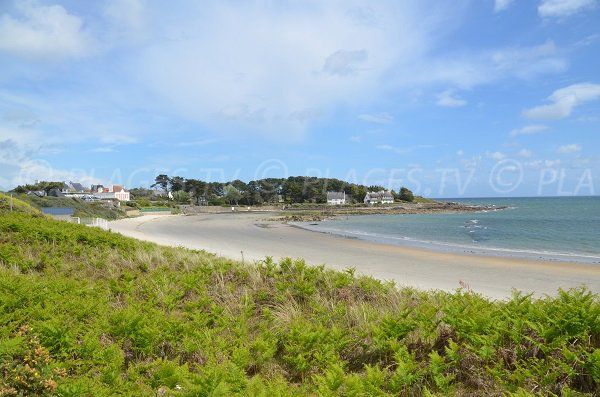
point(249, 237)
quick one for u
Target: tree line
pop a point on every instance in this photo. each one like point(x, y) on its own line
point(294, 189)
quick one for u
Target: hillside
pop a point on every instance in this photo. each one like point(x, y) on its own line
point(88, 312)
point(18, 205)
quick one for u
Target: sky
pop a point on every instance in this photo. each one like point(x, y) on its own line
point(451, 99)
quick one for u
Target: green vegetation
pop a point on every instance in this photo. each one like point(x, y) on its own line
point(83, 209)
point(88, 312)
point(406, 195)
point(18, 205)
point(291, 190)
point(423, 200)
point(45, 186)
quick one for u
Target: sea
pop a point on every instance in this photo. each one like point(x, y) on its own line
point(547, 228)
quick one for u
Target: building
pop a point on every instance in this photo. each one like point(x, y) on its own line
point(382, 197)
point(336, 198)
point(74, 189)
point(162, 193)
point(39, 193)
point(114, 192)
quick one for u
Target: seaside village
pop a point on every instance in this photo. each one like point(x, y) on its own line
point(95, 193)
point(118, 193)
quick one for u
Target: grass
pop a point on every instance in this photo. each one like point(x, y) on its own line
point(18, 205)
point(85, 312)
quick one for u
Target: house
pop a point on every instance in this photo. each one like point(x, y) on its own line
point(114, 192)
point(382, 197)
point(97, 189)
point(160, 193)
point(73, 188)
point(336, 198)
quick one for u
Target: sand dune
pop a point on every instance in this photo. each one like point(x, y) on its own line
point(248, 237)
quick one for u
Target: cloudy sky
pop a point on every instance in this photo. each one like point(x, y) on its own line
point(462, 98)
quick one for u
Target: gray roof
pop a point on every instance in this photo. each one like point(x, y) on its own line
point(336, 195)
point(384, 194)
point(78, 187)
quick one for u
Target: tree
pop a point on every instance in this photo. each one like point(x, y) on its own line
point(294, 189)
point(181, 197)
point(231, 194)
point(198, 189)
point(140, 192)
point(162, 181)
point(42, 185)
point(358, 193)
point(375, 188)
point(406, 194)
point(177, 183)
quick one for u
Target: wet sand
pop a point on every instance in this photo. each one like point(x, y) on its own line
point(248, 237)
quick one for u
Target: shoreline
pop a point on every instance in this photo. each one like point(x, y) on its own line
point(322, 213)
point(450, 248)
point(249, 237)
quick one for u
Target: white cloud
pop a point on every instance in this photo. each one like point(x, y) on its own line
point(118, 139)
point(103, 149)
point(563, 8)
point(378, 118)
point(448, 99)
point(127, 13)
point(356, 138)
point(305, 115)
point(566, 149)
point(497, 156)
point(501, 5)
point(469, 69)
point(390, 148)
point(528, 130)
point(43, 32)
point(402, 150)
point(564, 100)
point(248, 78)
point(198, 142)
point(343, 63)
point(20, 165)
point(525, 153)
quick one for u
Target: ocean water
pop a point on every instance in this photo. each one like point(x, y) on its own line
point(550, 228)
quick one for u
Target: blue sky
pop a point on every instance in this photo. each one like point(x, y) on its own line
point(465, 98)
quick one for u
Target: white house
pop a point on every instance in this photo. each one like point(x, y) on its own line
point(336, 198)
point(114, 192)
point(382, 197)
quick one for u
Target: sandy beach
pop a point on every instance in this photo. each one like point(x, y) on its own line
point(248, 237)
